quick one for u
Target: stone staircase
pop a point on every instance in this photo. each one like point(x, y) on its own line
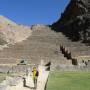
point(43, 44)
point(78, 50)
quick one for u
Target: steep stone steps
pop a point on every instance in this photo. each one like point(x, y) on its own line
point(79, 51)
point(75, 47)
point(43, 44)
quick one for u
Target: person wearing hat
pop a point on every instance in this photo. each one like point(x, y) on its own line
point(35, 75)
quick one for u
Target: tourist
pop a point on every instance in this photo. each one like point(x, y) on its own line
point(35, 75)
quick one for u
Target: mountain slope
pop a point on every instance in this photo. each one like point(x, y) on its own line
point(11, 33)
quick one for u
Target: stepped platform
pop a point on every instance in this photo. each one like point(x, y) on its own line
point(78, 50)
point(43, 44)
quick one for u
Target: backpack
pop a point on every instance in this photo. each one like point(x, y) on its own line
point(37, 73)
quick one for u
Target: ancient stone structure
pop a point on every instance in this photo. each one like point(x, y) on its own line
point(75, 21)
point(44, 44)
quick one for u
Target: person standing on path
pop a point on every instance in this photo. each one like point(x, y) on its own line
point(35, 76)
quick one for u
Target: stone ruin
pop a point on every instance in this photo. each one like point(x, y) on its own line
point(63, 49)
point(74, 23)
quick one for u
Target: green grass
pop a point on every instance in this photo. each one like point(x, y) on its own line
point(69, 81)
point(2, 42)
point(2, 77)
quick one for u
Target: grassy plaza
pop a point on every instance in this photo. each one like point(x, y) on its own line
point(69, 81)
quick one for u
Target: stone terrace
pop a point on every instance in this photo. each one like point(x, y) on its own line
point(43, 44)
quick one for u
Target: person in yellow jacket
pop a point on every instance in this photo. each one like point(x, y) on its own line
point(35, 75)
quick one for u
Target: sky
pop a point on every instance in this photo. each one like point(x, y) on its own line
point(30, 12)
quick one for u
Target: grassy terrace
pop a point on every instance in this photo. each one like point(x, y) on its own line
point(2, 77)
point(69, 81)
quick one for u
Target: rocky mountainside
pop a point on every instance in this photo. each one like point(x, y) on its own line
point(75, 21)
point(11, 33)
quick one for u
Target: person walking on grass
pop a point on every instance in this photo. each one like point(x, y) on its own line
point(35, 76)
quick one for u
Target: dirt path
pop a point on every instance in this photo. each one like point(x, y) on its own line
point(42, 79)
point(19, 86)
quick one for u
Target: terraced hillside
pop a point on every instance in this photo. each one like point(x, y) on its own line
point(43, 44)
point(78, 51)
point(11, 33)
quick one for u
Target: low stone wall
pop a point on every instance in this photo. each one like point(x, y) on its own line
point(70, 68)
point(15, 69)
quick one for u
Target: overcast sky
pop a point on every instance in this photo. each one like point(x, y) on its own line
point(31, 12)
